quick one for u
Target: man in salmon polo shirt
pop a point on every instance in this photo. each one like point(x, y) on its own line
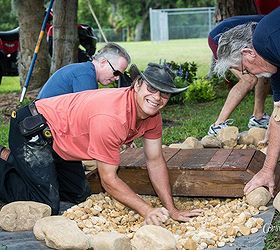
point(88, 125)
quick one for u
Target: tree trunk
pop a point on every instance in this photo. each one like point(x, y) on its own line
point(139, 31)
point(65, 35)
point(30, 17)
point(228, 8)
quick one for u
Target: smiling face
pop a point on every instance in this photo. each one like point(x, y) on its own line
point(147, 103)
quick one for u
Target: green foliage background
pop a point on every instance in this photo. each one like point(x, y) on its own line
point(8, 19)
point(114, 14)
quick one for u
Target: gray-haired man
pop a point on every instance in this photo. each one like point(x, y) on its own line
point(255, 50)
point(107, 66)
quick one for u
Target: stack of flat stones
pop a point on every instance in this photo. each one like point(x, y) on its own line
point(228, 138)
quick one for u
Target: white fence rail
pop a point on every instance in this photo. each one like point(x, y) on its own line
point(166, 24)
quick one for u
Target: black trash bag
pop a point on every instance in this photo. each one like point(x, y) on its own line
point(124, 80)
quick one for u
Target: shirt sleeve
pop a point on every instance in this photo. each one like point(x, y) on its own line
point(106, 137)
point(156, 130)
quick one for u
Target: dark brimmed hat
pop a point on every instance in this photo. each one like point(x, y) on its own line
point(158, 76)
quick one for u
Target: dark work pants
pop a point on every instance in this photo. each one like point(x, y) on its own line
point(35, 172)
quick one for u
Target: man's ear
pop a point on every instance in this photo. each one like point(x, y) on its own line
point(137, 86)
point(248, 52)
point(102, 61)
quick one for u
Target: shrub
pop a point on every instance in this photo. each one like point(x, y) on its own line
point(201, 90)
point(185, 75)
point(185, 72)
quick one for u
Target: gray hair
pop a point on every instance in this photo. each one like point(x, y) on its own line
point(112, 51)
point(230, 45)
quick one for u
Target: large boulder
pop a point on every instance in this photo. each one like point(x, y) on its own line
point(111, 241)
point(210, 141)
point(246, 138)
point(276, 202)
point(150, 237)
point(228, 136)
point(22, 215)
point(258, 197)
point(58, 232)
point(191, 143)
point(258, 134)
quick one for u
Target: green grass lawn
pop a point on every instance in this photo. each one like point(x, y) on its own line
point(180, 121)
point(9, 84)
point(179, 51)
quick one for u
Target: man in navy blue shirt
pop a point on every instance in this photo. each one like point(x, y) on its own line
point(255, 50)
point(107, 66)
point(244, 85)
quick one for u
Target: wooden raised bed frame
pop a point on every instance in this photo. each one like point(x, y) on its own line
point(192, 172)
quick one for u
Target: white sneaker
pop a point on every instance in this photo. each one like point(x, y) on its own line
point(214, 129)
point(259, 123)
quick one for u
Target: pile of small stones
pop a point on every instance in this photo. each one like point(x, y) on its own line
point(223, 219)
point(222, 222)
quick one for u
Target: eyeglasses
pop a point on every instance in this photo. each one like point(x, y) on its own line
point(115, 72)
point(151, 89)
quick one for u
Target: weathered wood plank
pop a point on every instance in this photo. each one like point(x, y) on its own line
point(218, 159)
point(132, 157)
point(208, 183)
point(135, 156)
point(239, 159)
point(193, 172)
point(184, 183)
point(191, 158)
point(169, 153)
point(256, 163)
point(94, 182)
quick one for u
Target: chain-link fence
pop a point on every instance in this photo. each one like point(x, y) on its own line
point(182, 23)
point(112, 35)
point(168, 24)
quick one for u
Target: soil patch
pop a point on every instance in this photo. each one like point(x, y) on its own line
point(169, 123)
point(10, 102)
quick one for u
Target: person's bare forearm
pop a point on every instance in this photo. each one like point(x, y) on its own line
point(273, 149)
point(124, 194)
point(159, 177)
point(233, 99)
point(236, 95)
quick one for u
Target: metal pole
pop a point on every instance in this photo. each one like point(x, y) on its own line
point(36, 52)
point(96, 20)
point(209, 20)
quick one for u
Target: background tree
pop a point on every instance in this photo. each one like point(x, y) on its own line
point(117, 14)
point(65, 33)
point(130, 15)
point(101, 9)
point(228, 8)
point(134, 15)
point(30, 14)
